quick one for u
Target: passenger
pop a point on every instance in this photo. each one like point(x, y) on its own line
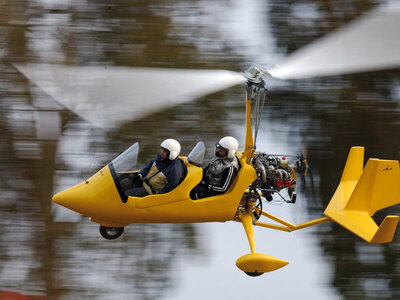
point(161, 175)
point(218, 175)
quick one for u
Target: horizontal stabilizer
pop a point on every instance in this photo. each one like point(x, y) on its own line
point(361, 224)
point(386, 231)
point(357, 198)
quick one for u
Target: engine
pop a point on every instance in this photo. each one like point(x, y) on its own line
point(276, 172)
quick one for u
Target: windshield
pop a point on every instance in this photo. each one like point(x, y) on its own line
point(127, 160)
point(196, 156)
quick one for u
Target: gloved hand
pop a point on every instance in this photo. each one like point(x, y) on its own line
point(135, 177)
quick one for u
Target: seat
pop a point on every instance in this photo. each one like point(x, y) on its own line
point(185, 171)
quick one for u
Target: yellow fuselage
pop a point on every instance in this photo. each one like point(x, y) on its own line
point(98, 198)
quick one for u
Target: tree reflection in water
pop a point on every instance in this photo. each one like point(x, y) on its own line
point(71, 260)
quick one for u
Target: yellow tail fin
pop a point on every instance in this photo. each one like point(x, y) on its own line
point(363, 192)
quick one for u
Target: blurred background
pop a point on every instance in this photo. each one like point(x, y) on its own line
point(49, 253)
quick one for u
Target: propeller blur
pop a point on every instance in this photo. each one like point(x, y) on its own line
point(369, 43)
point(108, 96)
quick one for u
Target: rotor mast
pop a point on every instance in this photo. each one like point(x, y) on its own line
point(249, 144)
point(255, 90)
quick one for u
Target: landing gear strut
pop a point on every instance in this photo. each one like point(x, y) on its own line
point(111, 233)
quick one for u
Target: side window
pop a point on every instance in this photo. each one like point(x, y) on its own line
point(196, 156)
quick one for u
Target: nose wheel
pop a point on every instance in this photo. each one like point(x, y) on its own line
point(111, 233)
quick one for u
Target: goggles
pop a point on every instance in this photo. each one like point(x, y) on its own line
point(218, 147)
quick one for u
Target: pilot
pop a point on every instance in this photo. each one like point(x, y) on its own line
point(220, 172)
point(161, 175)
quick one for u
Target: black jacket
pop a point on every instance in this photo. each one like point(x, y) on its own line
point(219, 174)
point(174, 170)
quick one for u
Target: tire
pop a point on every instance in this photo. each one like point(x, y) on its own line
point(111, 233)
point(253, 274)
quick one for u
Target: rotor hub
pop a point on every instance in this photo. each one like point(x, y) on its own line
point(255, 73)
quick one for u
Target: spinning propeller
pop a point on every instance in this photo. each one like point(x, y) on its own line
point(108, 96)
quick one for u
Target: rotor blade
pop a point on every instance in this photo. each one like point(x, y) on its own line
point(369, 43)
point(109, 96)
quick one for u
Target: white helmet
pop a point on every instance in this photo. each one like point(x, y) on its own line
point(229, 144)
point(173, 148)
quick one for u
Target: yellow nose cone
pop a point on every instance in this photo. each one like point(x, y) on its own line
point(96, 197)
point(72, 198)
point(57, 198)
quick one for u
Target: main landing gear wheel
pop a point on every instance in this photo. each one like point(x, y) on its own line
point(111, 233)
point(253, 274)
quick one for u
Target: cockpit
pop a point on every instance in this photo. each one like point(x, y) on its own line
point(126, 163)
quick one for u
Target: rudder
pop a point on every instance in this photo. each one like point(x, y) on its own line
point(378, 187)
